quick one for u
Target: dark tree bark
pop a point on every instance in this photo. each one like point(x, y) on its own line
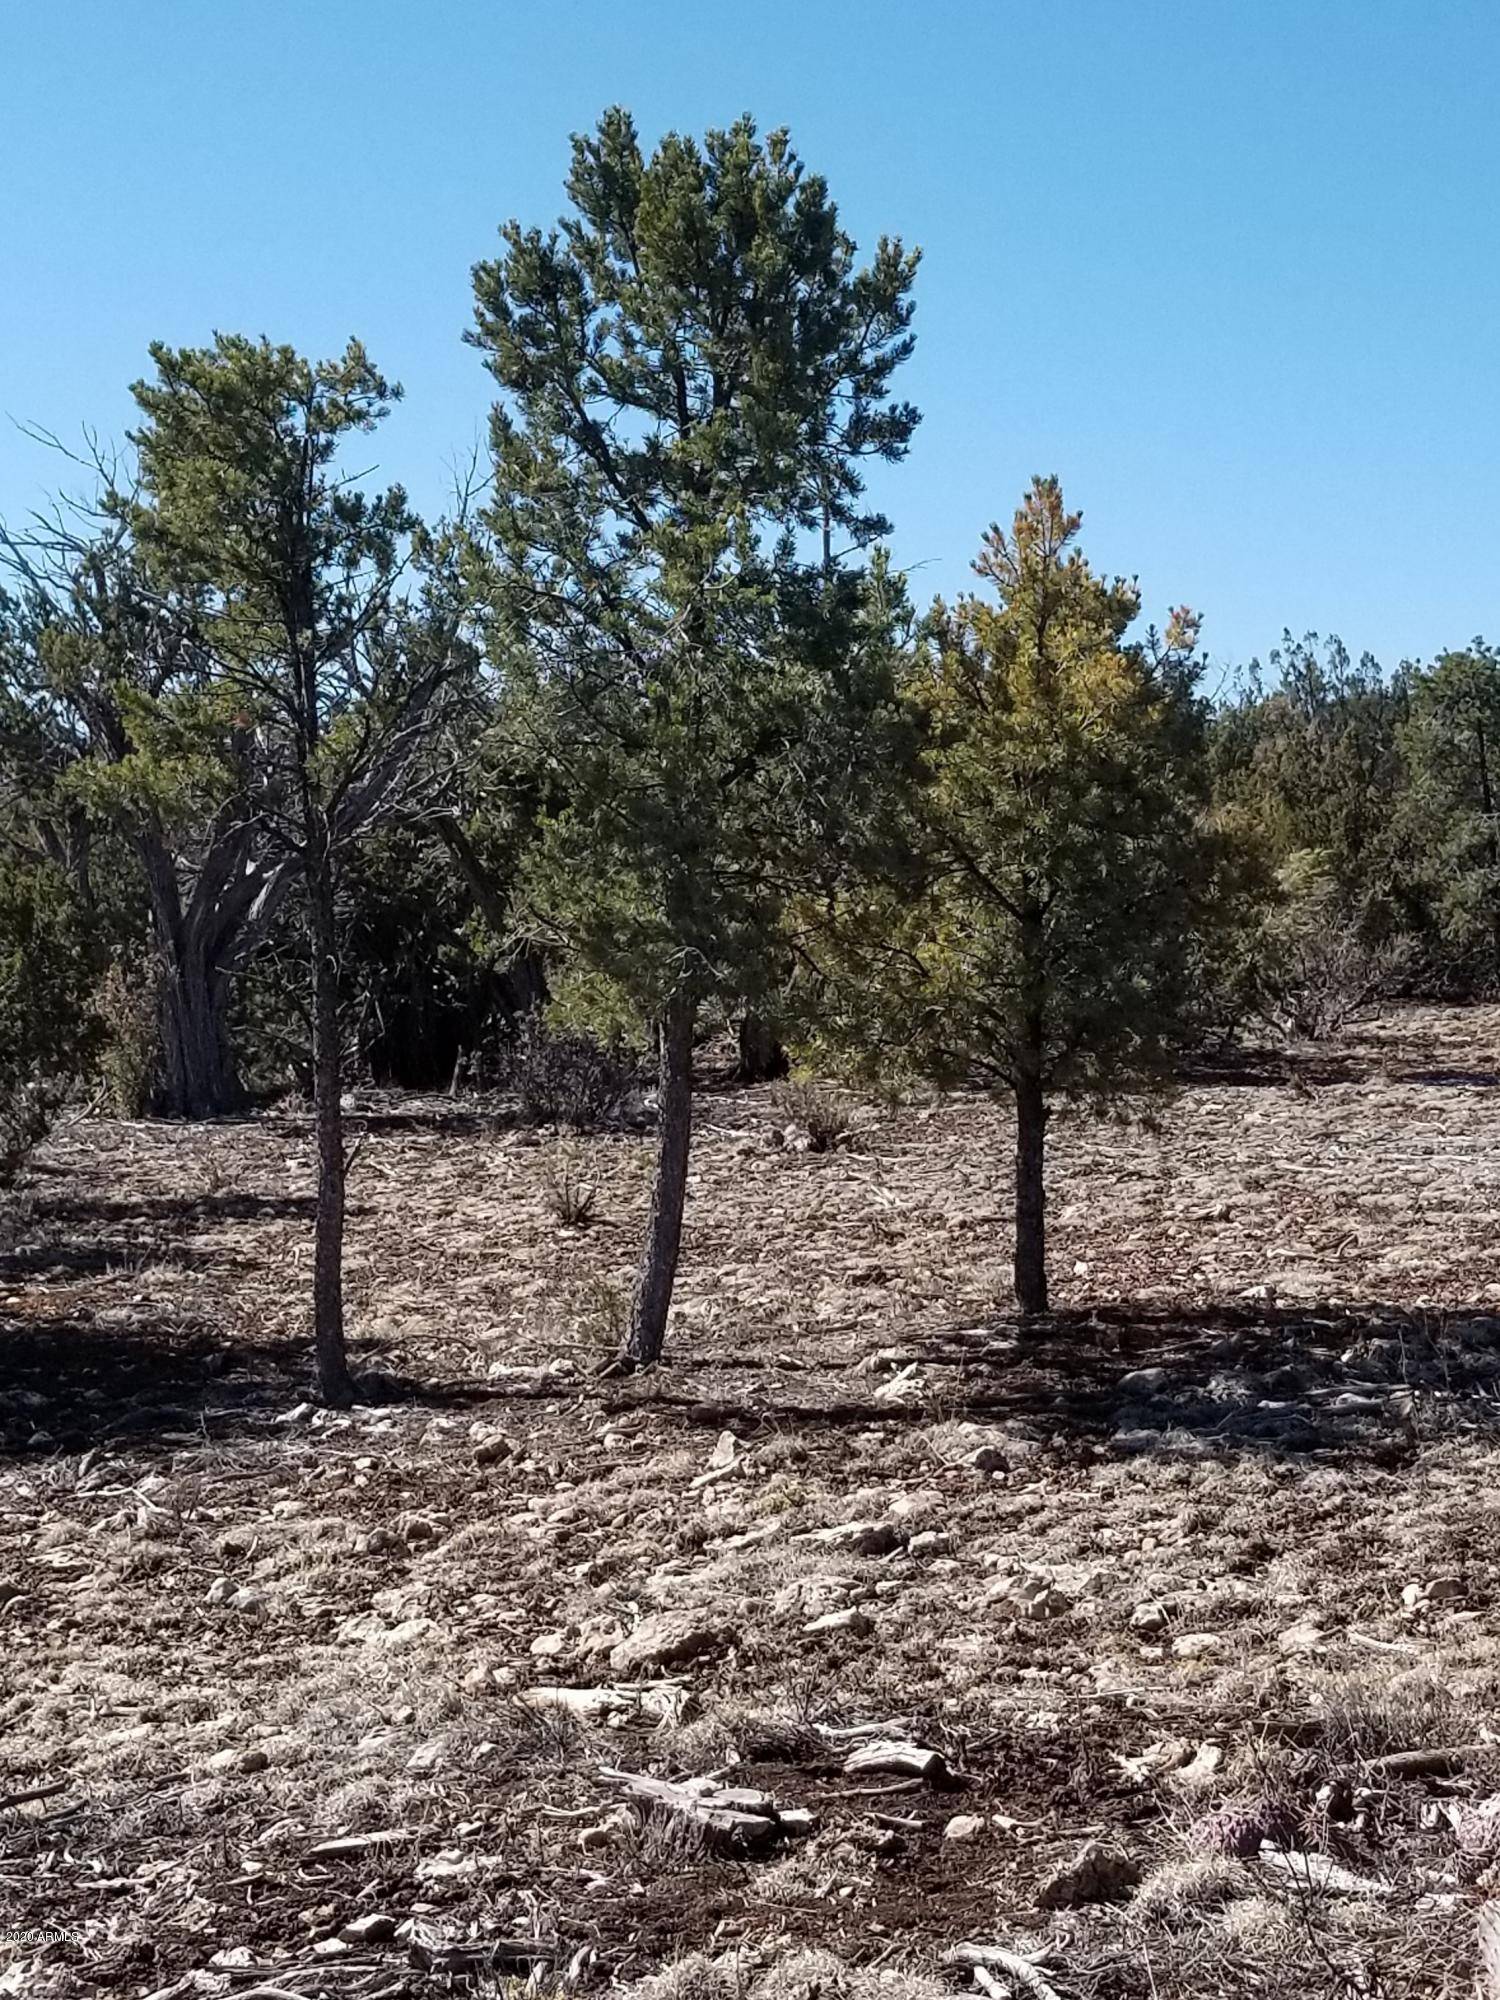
point(762, 1058)
point(658, 1269)
point(1031, 1199)
point(198, 1077)
point(335, 1385)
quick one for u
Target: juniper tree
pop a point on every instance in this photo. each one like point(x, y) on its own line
point(1044, 933)
point(297, 577)
point(1449, 818)
point(694, 369)
point(118, 727)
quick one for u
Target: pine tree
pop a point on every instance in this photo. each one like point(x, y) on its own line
point(1044, 933)
point(693, 370)
point(298, 584)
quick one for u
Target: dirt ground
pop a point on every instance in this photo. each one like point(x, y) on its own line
point(345, 1706)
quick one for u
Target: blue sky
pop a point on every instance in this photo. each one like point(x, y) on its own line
point(1231, 270)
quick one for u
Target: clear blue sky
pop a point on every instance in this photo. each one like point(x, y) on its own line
point(1231, 270)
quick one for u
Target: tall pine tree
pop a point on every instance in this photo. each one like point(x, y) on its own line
point(694, 369)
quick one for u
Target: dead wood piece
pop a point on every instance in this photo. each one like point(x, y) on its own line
point(49, 1791)
point(985, 1959)
point(1433, 1763)
point(351, 1845)
point(906, 1760)
point(460, 1957)
point(729, 1817)
point(655, 1701)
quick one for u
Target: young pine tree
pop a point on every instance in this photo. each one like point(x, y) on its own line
point(1046, 934)
point(693, 369)
point(296, 581)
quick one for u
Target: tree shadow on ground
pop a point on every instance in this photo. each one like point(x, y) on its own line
point(103, 1211)
point(137, 1376)
point(1371, 1383)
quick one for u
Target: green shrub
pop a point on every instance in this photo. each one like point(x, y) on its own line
point(48, 1031)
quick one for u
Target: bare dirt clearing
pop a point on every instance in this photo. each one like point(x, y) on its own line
point(350, 1705)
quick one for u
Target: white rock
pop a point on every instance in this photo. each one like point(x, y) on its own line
point(964, 1826)
point(1305, 1636)
point(854, 1621)
point(1199, 1645)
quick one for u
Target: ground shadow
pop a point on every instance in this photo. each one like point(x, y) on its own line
point(68, 1384)
point(1371, 1382)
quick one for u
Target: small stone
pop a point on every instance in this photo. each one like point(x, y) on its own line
point(410, 1632)
point(220, 1590)
point(1445, 1590)
point(1150, 1617)
point(1199, 1645)
point(1144, 1382)
point(859, 1624)
point(1096, 1874)
point(491, 1450)
point(223, 1760)
point(251, 1761)
point(988, 1459)
point(549, 1645)
point(1306, 1636)
point(964, 1826)
point(929, 1543)
point(1413, 1595)
point(249, 1602)
point(858, 1538)
point(668, 1639)
point(376, 1928)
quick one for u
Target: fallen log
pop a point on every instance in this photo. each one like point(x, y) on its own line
point(904, 1760)
point(1444, 1763)
point(984, 1960)
point(728, 1817)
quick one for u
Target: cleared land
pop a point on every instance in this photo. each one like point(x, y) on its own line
point(1170, 1577)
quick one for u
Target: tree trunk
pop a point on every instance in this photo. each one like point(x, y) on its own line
point(762, 1058)
point(658, 1269)
point(1031, 1209)
point(198, 1077)
point(334, 1383)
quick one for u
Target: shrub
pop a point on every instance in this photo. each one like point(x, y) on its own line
point(47, 1032)
point(1318, 967)
point(824, 1116)
point(567, 1079)
point(127, 1005)
point(570, 1195)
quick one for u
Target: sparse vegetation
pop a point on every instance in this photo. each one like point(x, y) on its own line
point(1054, 1555)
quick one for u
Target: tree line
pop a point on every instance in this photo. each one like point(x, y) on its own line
point(649, 733)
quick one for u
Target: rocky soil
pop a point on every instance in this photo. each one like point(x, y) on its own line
point(868, 1648)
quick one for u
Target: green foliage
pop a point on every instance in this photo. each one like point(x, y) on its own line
point(1063, 873)
point(1449, 818)
point(48, 965)
point(1314, 767)
point(694, 370)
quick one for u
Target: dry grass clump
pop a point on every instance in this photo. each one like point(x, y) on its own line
point(1178, 1890)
